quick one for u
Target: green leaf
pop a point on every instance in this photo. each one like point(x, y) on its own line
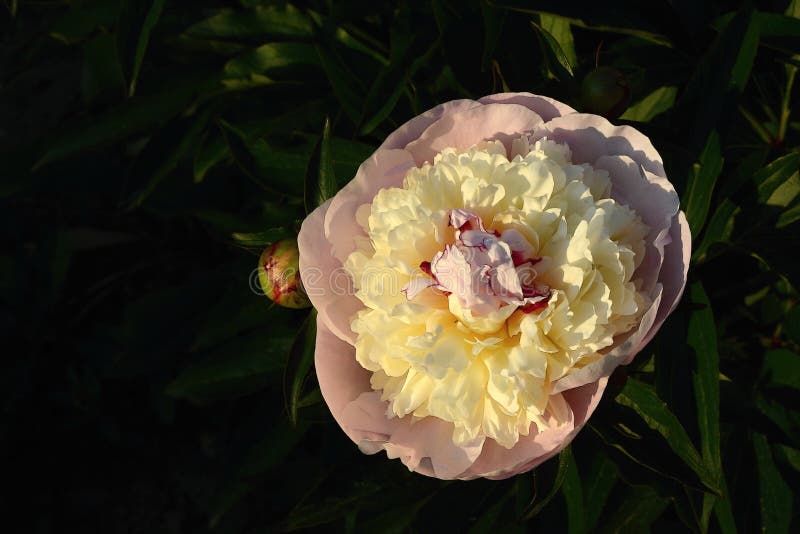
point(719, 229)
point(310, 399)
point(237, 312)
point(633, 452)
point(214, 149)
point(320, 180)
point(654, 412)
point(350, 39)
point(770, 179)
point(182, 142)
point(560, 29)
point(639, 508)
point(259, 239)
point(101, 69)
point(791, 324)
point(279, 20)
point(775, 496)
point(135, 115)
point(271, 56)
point(301, 359)
point(332, 508)
point(790, 216)
point(489, 518)
point(536, 505)
point(573, 495)
point(237, 368)
point(785, 193)
point(262, 457)
point(395, 519)
point(556, 60)
point(613, 17)
point(393, 80)
point(136, 22)
point(782, 368)
point(82, 19)
point(702, 338)
point(598, 484)
point(210, 151)
point(493, 21)
point(273, 449)
point(697, 199)
point(654, 104)
point(780, 32)
point(226, 500)
point(343, 83)
point(787, 420)
point(249, 155)
point(720, 77)
point(788, 455)
point(390, 83)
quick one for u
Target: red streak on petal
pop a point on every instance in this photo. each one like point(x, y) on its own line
point(425, 266)
point(528, 292)
point(535, 306)
point(519, 259)
point(277, 290)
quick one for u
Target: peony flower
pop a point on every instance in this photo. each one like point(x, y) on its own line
point(482, 275)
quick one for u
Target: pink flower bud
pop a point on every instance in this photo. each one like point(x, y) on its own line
point(279, 275)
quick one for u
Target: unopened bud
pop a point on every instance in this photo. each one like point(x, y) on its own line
point(279, 274)
point(605, 91)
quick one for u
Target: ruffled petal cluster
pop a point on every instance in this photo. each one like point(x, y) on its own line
point(514, 270)
point(482, 275)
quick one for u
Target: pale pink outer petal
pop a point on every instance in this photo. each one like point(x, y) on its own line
point(327, 284)
point(592, 136)
point(497, 463)
point(465, 128)
point(411, 130)
point(425, 446)
point(673, 275)
point(385, 168)
point(362, 415)
point(544, 106)
point(341, 379)
point(654, 200)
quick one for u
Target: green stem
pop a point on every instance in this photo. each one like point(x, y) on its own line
point(791, 71)
point(760, 130)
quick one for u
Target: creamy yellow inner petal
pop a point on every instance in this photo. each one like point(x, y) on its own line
point(491, 375)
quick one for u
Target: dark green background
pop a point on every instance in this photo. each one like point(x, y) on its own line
point(150, 149)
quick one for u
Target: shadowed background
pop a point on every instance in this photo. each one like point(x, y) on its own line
point(151, 149)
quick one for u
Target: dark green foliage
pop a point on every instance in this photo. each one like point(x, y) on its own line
point(150, 151)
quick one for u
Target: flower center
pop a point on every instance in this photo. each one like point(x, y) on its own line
point(484, 270)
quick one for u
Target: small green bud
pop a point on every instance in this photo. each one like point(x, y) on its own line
point(605, 91)
point(279, 274)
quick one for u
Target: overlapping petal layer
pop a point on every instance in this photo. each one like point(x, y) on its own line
point(461, 393)
point(465, 345)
